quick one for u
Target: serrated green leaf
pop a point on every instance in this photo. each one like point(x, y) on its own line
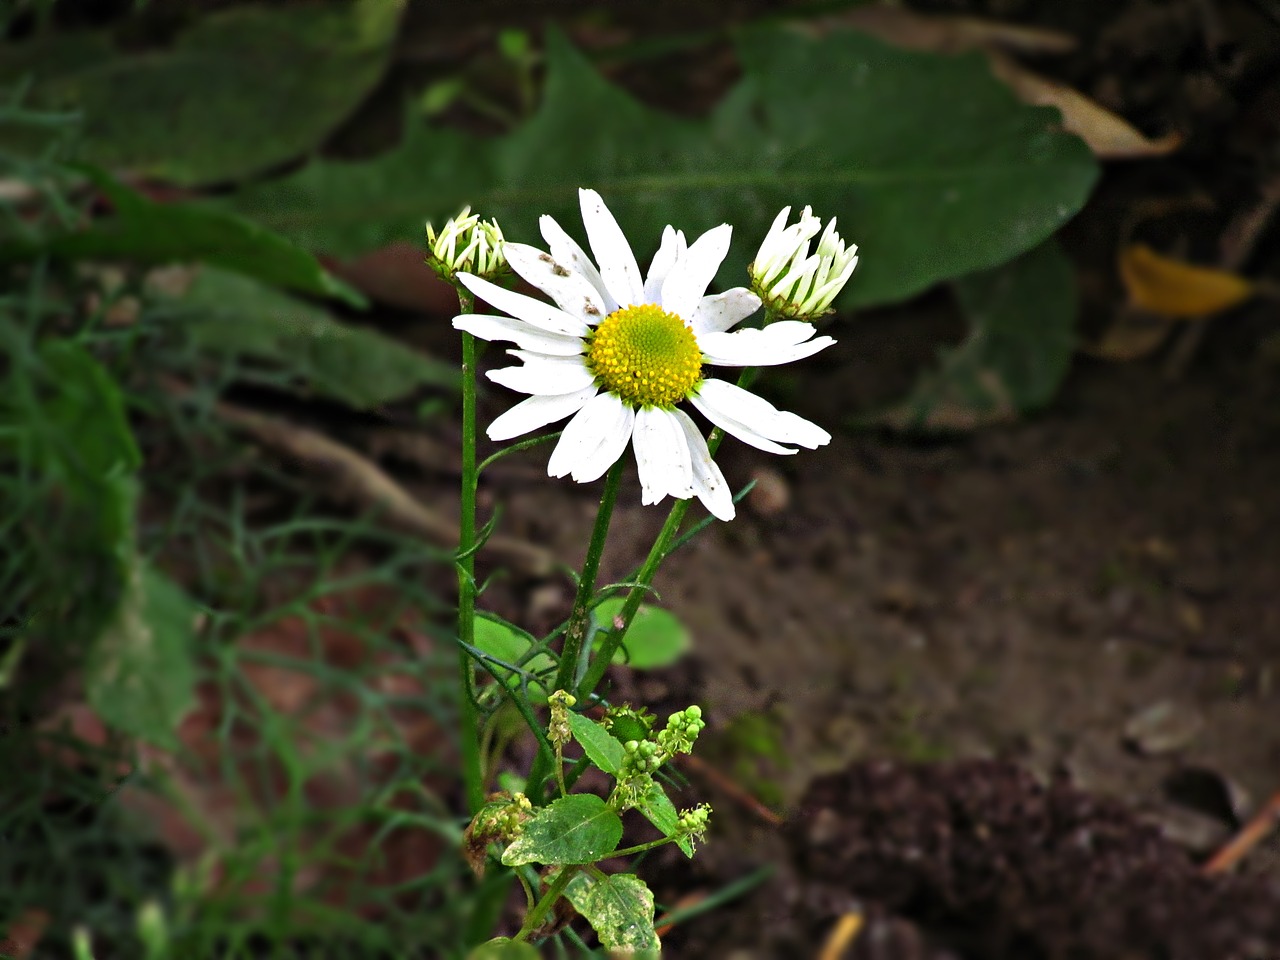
point(503, 948)
point(238, 317)
point(509, 643)
point(580, 828)
point(661, 812)
point(140, 674)
point(619, 908)
point(598, 743)
point(159, 233)
point(932, 166)
point(656, 637)
point(242, 90)
point(1022, 318)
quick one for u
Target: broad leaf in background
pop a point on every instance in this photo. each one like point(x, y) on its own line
point(159, 233)
point(579, 828)
point(932, 166)
point(239, 91)
point(140, 673)
point(508, 643)
point(655, 639)
point(619, 908)
point(245, 320)
point(1022, 333)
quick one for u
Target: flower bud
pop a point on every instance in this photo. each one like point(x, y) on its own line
point(466, 244)
point(791, 281)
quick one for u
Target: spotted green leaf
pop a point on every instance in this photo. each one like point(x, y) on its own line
point(580, 828)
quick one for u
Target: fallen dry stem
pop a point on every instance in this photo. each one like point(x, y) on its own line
point(349, 475)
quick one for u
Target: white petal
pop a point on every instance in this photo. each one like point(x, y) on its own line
point(534, 412)
point(566, 251)
point(613, 443)
point(541, 315)
point(518, 332)
point(572, 292)
point(779, 342)
point(673, 247)
point(693, 273)
point(662, 456)
point(730, 424)
point(590, 429)
point(718, 313)
point(548, 377)
point(708, 482)
point(719, 401)
point(618, 267)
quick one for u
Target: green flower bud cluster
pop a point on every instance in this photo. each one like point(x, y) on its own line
point(503, 820)
point(682, 730)
point(694, 820)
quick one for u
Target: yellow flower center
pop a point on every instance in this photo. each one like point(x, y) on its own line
point(645, 356)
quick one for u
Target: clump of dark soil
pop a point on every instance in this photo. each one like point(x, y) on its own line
point(986, 863)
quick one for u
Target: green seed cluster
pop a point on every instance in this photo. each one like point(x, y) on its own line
point(681, 731)
point(645, 356)
point(640, 758)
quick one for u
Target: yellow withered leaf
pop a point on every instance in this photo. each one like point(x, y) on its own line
point(1175, 288)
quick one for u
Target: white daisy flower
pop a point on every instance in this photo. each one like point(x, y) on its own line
point(619, 351)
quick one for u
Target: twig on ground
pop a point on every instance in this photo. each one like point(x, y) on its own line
point(350, 475)
point(1238, 242)
point(1250, 835)
point(735, 791)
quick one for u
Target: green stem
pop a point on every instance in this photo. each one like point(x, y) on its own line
point(472, 771)
point(576, 631)
point(662, 546)
point(533, 919)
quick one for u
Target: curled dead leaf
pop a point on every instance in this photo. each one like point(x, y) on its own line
point(1109, 136)
point(1174, 288)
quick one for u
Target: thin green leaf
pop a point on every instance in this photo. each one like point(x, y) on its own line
point(509, 644)
point(661, 812)
point(580, 828)
point(159, 233)
point(599, 744)
point(140, 675)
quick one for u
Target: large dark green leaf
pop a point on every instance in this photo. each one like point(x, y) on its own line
point(932, 166)
point(238, 317)
point(241, 90)
point(1022, 318)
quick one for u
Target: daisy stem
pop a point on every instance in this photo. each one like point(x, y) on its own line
point(575, 633)
point(468, 719)
point(644, 579)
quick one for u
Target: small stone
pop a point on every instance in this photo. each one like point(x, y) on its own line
point(1161, 728)
point(771, 494)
